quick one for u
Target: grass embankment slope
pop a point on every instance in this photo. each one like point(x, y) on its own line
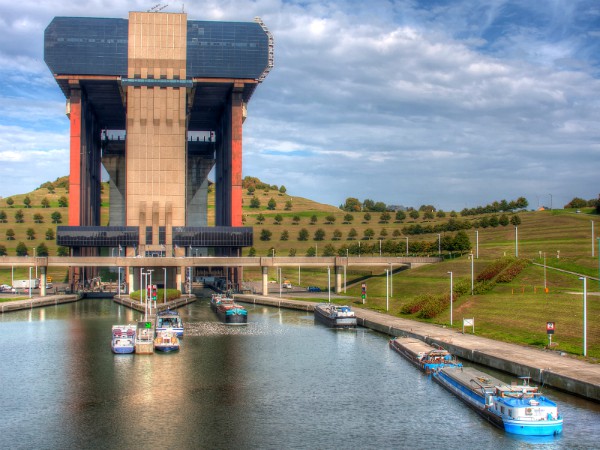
point(515, 311)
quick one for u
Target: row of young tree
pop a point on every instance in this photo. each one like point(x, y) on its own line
point(271, 205)
point(459, 243)
point(30, 233)
point(56, 217)
point(63, 202)
point(579, 202)
point(40, 250)
point(453, 225)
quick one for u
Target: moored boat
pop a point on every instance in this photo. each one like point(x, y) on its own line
point(123, 339)
point(518, 409)
point(166, 341)
point(228, 311)
point(335, 316)
point(169, 320)
point(423, 355)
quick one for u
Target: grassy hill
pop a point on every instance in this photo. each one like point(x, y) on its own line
point(516, 311)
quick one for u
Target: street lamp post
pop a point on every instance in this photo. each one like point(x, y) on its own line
point(391, 281)
point(119, 285)
point(29, 281)
point(592, 238)
point(584, 315)
point(451, 295)
point(439, 244)
point(151, 287)
point(380, 248)
point(472, 272)
point(279, 276)
point(387, 291)
point(477, 244)
point(516, 242)
point(165, 286)
point(406, 245)
point(545, 283)
point(329, 284)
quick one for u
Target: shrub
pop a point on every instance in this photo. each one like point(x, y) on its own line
point(492, 270)
point(512, 271)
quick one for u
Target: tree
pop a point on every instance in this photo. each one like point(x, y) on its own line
point(251, 190)
point(41, 250)
point(453, 214)
point(311, 251)
point(3, 250)
point(285, 235)
point(383, 232)
point(414, 214)
point(521, 203)
point(440, 214)
point(337, 235)
point(367, 217)
point(282, 189)
point(27, 202)
point(503, 220)
point(49, 234)
point(425, 208)
point(385, 217)
point(56, 217)
point(303, 235)
point(10, 202)
point(352, 234)
point(38, 218)
point(598, 205)
point(329, 250)
point(396, 233)
point(45, 203)
point(260, 219)
point(292, 252)
point(369, 233)
point(278, 219)
point(319, 234)
point(313, 219)
point(252, 251)
point(494, 221)
point(63, 251)
point(30, 234)
point(351, 205)
point(3, 217)
point(51, 188)
point(348, 218)
point(577, 202)
point(461, 242)
point(272, 204)
point(254, 202)
point(22, 249)
point(10, 234)
point(288, 205)
point(63, 202)
point(515, 220)
point(400, 216)
point(428, 215)
point(19, 216)
point(330, 219)
point(368, 204)
point(265, 235)
point(296, 220)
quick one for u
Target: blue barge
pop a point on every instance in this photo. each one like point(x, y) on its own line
point(424, 356)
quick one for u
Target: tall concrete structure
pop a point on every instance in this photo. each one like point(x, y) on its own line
point(158, 100)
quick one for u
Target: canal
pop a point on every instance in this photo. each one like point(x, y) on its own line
point(280, 382)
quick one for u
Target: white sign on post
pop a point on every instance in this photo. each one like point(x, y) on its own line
point(469, 323)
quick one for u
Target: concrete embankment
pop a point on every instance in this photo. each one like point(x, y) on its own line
point(38, 302)
point(126, 301)
point(545, 367)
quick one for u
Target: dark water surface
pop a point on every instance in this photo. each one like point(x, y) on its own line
point(281, 382)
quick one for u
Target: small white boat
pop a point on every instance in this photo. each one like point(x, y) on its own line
point(123, 339)
point(166, 341)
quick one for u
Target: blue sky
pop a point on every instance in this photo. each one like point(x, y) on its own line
point(450, 103)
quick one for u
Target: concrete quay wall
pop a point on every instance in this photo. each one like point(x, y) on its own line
point(544, 367)
point(38, 302)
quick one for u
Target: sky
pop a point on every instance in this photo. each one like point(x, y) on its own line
point(453, 103)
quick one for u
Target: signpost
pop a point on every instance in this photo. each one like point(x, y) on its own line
point(550, 331)
point(364, 292)
point(469, 323)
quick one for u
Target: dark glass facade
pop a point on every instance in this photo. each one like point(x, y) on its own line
point(129, 236)
point(212, 236)
point(98, 46)
point(97, 236)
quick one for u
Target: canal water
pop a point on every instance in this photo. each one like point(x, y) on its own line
point(281, 382)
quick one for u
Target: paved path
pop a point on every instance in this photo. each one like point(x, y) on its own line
point(545, 367)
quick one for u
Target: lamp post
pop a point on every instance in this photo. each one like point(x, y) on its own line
point(329, 284)
point(279, 276)
point(119, 282)
point(516, 242)
point(387, 291)
point(391, 281)
point(29, 281)
point(345, 265)
point(592, 238)
point(584, 315)
point(151, 287)
point(472, 272)
point(550, 202)
point(406, 245)
point(165, 287)
point(451, 294)
point(477, 244)
point(380, 248)
point(545, 283)
point(439, 244)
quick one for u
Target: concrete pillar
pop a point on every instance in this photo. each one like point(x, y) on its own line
point(131, 282)
point(178, 279)
point(338, 279)
point(43, 281)
point(74, 113)
point(265, 280)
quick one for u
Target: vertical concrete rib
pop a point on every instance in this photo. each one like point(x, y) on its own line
point(75, 156)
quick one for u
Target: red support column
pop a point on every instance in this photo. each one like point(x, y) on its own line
point(236, 157)
point(75, 158)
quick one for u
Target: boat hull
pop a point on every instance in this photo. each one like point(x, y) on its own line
point(123, 350)
point(232, 319)
point(423, 355)
point(166, 348)
point(323, 316)
point(538, 428)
